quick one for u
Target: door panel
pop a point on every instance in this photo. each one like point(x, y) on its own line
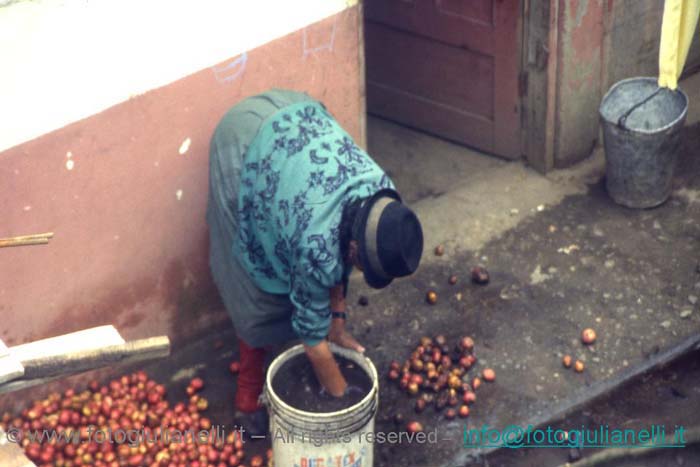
point(449, 67)
point(475, 10)
point(434, 70)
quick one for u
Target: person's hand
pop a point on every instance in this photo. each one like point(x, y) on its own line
point(338, 335)
point(326, 368)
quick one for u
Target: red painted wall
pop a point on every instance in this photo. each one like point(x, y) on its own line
point(126, 250)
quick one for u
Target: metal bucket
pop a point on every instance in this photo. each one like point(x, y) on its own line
point(642, 126)
point(301, 438)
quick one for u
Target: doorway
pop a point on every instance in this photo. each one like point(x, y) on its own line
point(449, 68)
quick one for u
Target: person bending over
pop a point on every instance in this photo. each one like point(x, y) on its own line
point(294, 204)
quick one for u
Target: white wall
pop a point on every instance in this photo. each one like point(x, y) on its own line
point(64, 60)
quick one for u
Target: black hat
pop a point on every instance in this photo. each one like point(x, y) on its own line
point(390, 238)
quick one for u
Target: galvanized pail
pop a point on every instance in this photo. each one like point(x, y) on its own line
point(301, 438)
point(642, 126)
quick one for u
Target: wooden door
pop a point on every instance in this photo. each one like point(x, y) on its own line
point(448, 67)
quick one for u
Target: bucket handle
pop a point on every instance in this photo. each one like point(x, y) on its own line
point(623, 118)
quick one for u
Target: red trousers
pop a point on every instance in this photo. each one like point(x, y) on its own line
point(251, 377)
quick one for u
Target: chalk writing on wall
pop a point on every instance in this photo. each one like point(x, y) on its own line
point(232, 70)
point(319, 37)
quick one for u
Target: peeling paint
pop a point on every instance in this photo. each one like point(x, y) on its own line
point(185, 146)
point(581, 8)
point(70, 163)
point(586, 33)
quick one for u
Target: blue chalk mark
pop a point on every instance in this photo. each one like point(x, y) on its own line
point(327, 46)
point(231, 71)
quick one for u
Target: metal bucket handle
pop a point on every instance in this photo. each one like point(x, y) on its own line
point(623, 118)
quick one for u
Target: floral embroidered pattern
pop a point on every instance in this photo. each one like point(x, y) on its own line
point(300, 171)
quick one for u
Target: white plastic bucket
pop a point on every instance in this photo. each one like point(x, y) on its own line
point(333, 439)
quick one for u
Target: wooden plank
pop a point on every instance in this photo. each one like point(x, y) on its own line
point(463, 26)
point(507, 101)
point(480, 11)
point(10, 367)
point(66, 364)
point(445, 74)
point(552, 72)
point(425, 116)
point(85, 340)
point(8, 242)
point(11, 455)
point(536, 58)
point(22, 240)
point(54, 365)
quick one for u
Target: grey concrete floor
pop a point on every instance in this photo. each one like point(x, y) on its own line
point(562, 257)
